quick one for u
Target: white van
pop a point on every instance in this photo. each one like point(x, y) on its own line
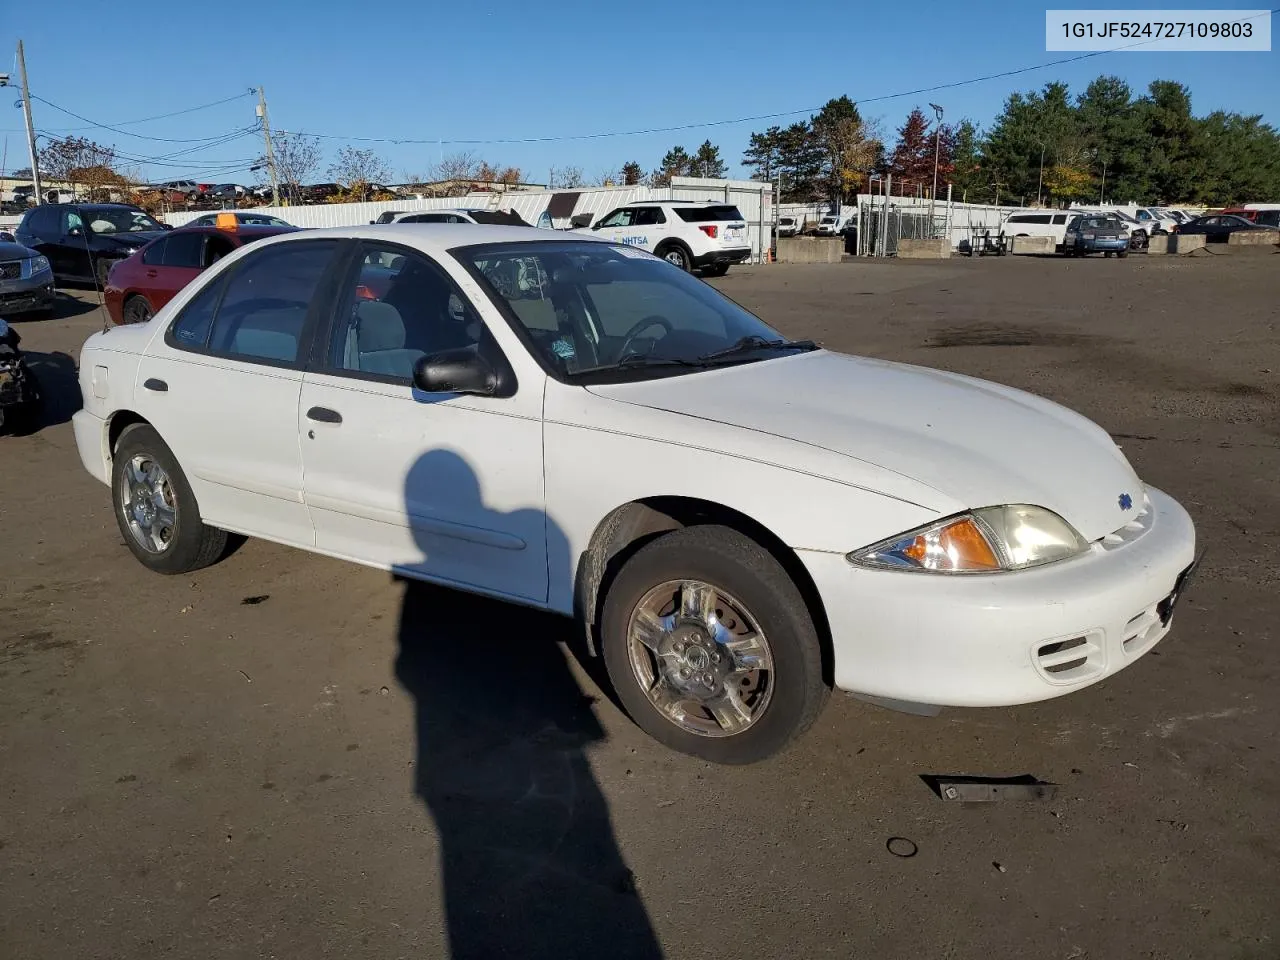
point(1038, 223)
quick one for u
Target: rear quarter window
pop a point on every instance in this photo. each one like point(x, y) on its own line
point(708, 214)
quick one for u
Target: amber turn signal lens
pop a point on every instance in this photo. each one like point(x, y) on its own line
point(957, 546)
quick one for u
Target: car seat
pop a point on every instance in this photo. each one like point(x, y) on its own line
point(376, 341)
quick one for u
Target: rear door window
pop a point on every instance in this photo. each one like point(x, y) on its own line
point(153, 256)
point(264, 309)
point(183, 250)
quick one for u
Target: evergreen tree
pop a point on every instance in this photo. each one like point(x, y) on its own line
point(706, 162)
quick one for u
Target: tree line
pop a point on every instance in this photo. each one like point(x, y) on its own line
point(1045, 145)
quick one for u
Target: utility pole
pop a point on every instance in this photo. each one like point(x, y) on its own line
point(1040, 182)
point(31, 127)
point(271, 151)
point(937, 142)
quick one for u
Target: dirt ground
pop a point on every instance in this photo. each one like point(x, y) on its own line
point(287, 756)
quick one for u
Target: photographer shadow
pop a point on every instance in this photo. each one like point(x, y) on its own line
point(530, 864)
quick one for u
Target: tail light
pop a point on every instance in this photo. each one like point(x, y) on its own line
point(710, 230)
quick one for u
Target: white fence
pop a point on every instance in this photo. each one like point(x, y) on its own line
point(753, 199)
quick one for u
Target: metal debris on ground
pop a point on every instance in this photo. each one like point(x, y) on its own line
point(255, 600)
point(989, 789)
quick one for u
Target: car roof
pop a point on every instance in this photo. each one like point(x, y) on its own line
point(250, 229)
point(438, 238)
point(690, 203)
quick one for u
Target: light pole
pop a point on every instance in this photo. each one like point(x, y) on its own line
point(937, 143)
point(1040, 182)
point(1103, 192)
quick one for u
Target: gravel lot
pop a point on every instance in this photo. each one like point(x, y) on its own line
point(286, 756)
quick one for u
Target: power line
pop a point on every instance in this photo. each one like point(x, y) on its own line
point(159, 116)
point(752, 119)
point(126, 133)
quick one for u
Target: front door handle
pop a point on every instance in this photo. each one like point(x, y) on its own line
point(324, 415)
point(159, 386)
point(152, 273)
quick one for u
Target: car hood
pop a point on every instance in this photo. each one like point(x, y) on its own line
point(15, 251)
point(975, 442)
point(132, 240)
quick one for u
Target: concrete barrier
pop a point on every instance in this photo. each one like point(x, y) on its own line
point(1184, 243)
point(1159, 244)
point(1022, 245)
point(939, 249)
point(810, 249)
point(1253, 241)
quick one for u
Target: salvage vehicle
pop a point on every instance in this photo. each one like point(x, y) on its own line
point(26, 281)
point(20, 398)
point(83, 240)
point(141, 284)
point(739, 521)
point(1095, 233)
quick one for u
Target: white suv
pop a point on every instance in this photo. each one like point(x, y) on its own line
point(453, 215)
point(690, 234)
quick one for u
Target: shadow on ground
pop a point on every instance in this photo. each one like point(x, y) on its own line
point(530, 864)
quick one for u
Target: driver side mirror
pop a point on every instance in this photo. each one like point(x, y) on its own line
point(581, 220)
point(462, 371)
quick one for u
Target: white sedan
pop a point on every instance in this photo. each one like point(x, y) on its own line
point(739, 521)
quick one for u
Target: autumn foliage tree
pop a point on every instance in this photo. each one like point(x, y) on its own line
point(82, 163)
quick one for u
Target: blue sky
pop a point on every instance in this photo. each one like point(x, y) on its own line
point(499, 69)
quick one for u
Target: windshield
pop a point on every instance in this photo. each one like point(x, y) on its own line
point(111, 220)
point(1100, 223)
point(587, 307)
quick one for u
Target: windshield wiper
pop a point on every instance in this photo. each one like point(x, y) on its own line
point(641, 360)
point(754, 342)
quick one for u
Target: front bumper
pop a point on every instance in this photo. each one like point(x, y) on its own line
point(1000, 639)
point(91, 442)
point(717, 257)
point(1102, 244)
point(31, 293)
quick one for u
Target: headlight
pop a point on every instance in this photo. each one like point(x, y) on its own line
point(984, 541)
point(39, 265)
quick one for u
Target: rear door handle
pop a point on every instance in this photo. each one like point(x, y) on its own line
point(159, 386)
point(324, 415)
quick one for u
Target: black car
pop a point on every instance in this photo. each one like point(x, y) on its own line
point(1217, 227)
point(83, 240)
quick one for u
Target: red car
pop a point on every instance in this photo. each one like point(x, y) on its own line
point(138, 286)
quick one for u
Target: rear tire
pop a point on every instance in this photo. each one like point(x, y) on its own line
point(136, 310)
point(755, 700)
point(155, 509)
point(677, 254)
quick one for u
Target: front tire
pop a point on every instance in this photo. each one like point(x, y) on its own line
point(711, 648)
point(155, 509)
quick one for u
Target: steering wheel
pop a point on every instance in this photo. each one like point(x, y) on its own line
point(651, 321)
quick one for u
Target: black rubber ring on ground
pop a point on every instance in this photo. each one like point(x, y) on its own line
point(901, 847)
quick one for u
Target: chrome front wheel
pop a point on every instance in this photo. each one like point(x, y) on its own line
point(700, 657)
point(710, 647)
point(147, 504)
